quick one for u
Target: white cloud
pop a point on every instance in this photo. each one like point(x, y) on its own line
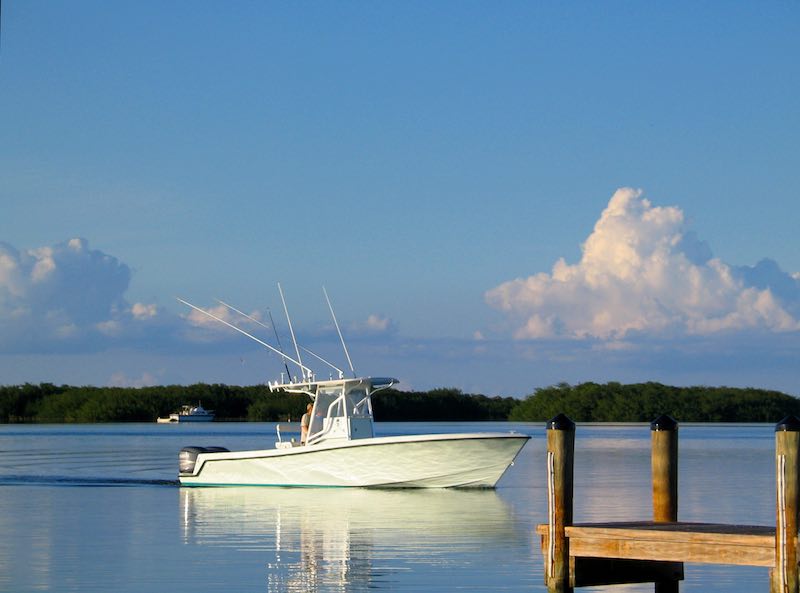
point(643, 273)
point(143, 311)
point(374, 324)
point(64, 295)
point(199, 328)
point(199, 319)
point(378, 323)
point(120, 379)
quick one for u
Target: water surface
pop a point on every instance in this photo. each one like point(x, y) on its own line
point(98, 508)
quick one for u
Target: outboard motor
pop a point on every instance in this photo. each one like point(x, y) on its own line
point(188, 457)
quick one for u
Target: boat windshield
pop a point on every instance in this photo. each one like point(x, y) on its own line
point(328, 404)
point(358, 403)
point(338, 402)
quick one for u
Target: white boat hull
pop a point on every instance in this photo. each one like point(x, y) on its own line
point(468, 460)
point(176, 418)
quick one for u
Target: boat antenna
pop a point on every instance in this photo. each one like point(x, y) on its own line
point(336, 323)
point(303, 369)
point(280, 348)
point(291, 331)
point(253, 319)
point(277, 339)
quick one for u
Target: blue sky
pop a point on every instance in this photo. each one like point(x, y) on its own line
point(454, 173)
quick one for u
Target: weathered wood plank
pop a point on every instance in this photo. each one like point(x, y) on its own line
point(679, 531)
point(674, 530)
point(654, 549)
point(683, 526)
point(706, 543)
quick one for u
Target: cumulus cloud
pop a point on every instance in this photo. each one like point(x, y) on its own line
point(642, 272)
point(374, 324)
point(65, 294)
point(378, 323)
point(120, 379)
point(142, 311)
point(199, 319)
point(202, 328)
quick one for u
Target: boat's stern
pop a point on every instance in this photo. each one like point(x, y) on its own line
point(187, 458)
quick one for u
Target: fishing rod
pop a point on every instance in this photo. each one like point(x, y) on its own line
point(277, 339)
point(304, 349)
point(336, 323)
point(291, 330)
point(303, 369)
point(280, 348)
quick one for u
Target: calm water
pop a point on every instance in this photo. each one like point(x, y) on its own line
point(97, 508)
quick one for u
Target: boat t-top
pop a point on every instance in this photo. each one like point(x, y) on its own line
point(340, 448)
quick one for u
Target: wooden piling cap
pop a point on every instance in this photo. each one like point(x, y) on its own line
point(561, 422)
point(664, 423)
point(789, 424)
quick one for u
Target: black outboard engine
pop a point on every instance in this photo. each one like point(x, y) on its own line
point(188, 457)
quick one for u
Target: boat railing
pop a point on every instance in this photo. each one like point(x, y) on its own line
point(327, 428)
point(289, 428)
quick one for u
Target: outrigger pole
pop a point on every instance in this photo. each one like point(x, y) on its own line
point(303, 348)
point(291, 331)
point(303, 369)
point(336, 323)
point(278, 340)
point(280, 348)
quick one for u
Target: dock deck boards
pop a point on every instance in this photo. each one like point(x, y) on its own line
point(712, 543)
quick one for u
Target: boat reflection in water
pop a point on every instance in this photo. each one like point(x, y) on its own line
point(351, 539)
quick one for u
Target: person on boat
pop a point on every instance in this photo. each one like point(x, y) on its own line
point(304, 422)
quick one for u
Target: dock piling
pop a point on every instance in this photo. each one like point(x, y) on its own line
point(784, 576)
point(560, 460)
point(664, 469)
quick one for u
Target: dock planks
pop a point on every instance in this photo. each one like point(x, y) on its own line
point(701, 543)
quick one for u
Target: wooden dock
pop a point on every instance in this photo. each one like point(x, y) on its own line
point(592, 554)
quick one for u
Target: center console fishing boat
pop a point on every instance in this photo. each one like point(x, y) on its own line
point(340, 448)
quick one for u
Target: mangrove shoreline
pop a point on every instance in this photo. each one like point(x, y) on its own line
point(586, 402)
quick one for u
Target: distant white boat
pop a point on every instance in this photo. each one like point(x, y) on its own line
point(340, 447)
point(189, 414)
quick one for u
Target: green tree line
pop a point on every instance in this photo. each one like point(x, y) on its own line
point(439, 404)
point(643, 402)
point(50, 403)
point(587, 402)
